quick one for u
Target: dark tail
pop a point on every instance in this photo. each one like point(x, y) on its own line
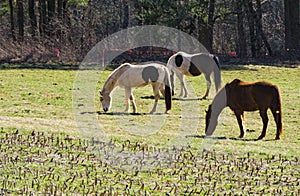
point(216, 59)
point(168, 97)
point(276, 110)
point(168, 91)
point(217, 74)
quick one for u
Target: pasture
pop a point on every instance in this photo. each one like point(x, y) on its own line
point(43, 152)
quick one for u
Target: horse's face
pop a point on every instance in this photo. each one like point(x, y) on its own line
point(207, 118)
point(105, 100)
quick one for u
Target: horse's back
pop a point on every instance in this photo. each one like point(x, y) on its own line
point(142, 74)
point(250, 96)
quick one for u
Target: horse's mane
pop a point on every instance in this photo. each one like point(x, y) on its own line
point(149, 62)
point(115, 75)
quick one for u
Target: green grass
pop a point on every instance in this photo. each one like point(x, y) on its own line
point(43, 152)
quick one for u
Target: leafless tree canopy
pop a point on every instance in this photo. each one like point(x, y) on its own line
point(65, 30)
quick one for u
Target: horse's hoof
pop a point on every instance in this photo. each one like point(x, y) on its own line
point(277, 138)
point(260, 137)
point(203, 98)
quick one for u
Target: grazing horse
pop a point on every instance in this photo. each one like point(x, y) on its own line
point(182, 64)
point(128, 76)
point(242, 96)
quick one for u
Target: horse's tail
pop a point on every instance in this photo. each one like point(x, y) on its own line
point(216, 59)
point(168, 90)
point(217, 73)
point(276, 110)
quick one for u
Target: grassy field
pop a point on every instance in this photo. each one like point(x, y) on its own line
point(44, 150)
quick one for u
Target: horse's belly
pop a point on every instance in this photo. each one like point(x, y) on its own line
point(244, 103)
point(249, 106)
point(137, 82)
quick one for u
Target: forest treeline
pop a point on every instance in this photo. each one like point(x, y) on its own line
point(65, 30)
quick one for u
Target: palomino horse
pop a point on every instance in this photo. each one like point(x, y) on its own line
point(245, 96)
point(182, 64)
point(128, 76)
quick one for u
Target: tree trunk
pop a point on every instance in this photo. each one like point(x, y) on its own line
point(12, 22)
point(51, 13)
point(261, 38)
point(59, 8)
point(43, 16)
point(210, 25)
point(125, 22)
point(242, 47)
point(251, 22)
point(292, 29)
point(32, 17)
point(203, 34)
point(51, 9)
point(20, 14)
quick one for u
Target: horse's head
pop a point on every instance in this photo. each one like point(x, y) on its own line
point(207, 119)
point(105, 100)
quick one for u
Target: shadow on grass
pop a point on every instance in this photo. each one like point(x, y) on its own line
point(225, 138)
point(124, 113)
point(175, 98)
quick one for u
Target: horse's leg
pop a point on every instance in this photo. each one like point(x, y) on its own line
point(132, 100)
point(155, 87)
point(277, 118)
point(264, 116)
point(238, 115)
point(127, 97)
point(162, 89)
point(182, 84)
point(208, 84)
point(172, 78)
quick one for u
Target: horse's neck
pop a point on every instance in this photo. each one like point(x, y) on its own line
point(114, 77)
point(109, 85)
point(219, 102)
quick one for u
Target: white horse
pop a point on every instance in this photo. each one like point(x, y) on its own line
point(128, 76)
point(183, 63)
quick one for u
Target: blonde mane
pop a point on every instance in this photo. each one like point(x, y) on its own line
point(114, 76)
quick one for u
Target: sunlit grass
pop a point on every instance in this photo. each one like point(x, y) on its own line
point(43, 152)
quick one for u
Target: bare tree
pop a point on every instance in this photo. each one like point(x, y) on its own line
point(20, 17)
point(32, 17)
point(42, 16)
point(125, 17)
point(12, 21)
point(292, 29)
point(210, 24)
point(241, 45)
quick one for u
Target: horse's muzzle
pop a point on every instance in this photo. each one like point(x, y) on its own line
point(105, 109)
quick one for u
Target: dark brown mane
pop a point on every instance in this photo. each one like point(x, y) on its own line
point(207, 117)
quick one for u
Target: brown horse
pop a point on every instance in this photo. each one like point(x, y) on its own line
point(242, 96)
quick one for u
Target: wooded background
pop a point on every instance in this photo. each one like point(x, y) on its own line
point(65, 30)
